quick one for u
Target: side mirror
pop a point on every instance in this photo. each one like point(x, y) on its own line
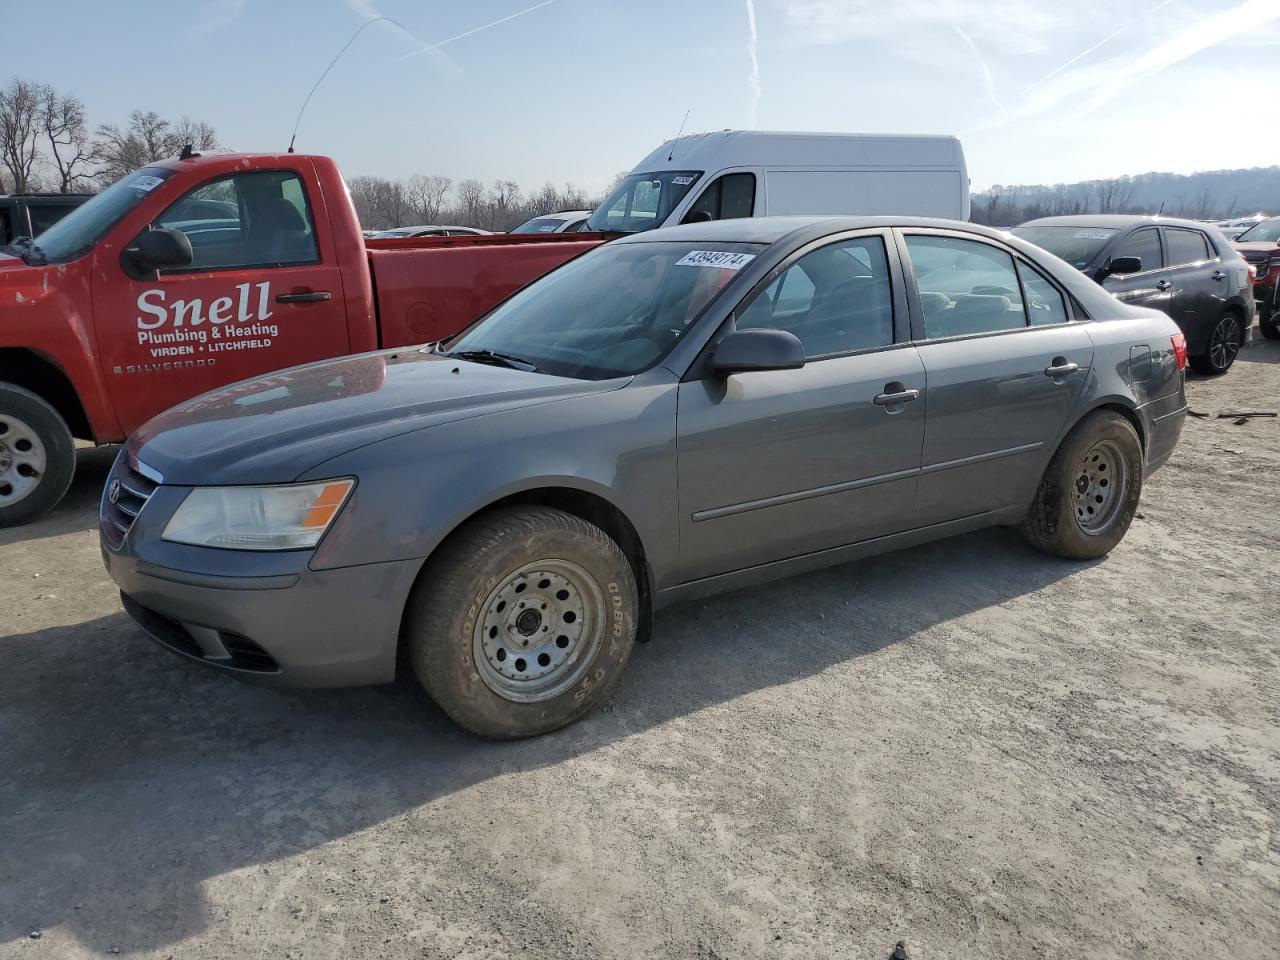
point(746, 350)
point(160, 249)
point(697, 216)
point(1123, 265)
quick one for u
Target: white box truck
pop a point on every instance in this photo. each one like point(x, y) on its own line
point(758, 173)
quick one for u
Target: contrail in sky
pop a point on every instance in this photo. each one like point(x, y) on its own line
point(753, 81)
point(988, 82)
point(475, 30)
point(1101, 43)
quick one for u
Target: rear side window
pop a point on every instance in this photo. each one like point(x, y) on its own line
point(727, 198)
point(1143, 244)
point(836, 299)
point(966, 286)
point(256, 219)
point(1044, 303)
point(1186, 246)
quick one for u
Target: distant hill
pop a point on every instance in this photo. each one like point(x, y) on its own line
point(1210, 195)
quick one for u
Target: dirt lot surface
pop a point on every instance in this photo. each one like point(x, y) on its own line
point(969, 746)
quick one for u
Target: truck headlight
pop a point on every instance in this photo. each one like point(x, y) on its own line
point(286, 517)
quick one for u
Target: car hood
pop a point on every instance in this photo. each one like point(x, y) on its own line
point(274, 428)
point(1260, 245)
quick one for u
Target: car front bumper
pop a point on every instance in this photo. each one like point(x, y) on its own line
point(315, 628)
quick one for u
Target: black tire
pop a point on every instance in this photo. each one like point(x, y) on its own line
point(1268, 325)
point(27, 422)
point(459, 587)
point(1225, 340)
point(1052, 524)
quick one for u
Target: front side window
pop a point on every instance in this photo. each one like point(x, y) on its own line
point(643, 201)
point(836, 299)
point(256, 219)
point(728, 198)
point(612, 312)
point(1186, 246)
point(1045, 304)
point(1143, 244)
point(966, 286)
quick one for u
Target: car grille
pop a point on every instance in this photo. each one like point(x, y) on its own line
point(1259, 261)
point(126, 493)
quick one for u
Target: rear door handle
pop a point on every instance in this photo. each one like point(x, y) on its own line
point(310, 296)
point(1163, 285)
point(1218, 275)
point(898, 396)
point(1060, 368)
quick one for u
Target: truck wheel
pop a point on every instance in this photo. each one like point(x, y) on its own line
point(1269, 326)
point(37, 456)
point(1225, 341)
point(522, 621)
point(1090, 491)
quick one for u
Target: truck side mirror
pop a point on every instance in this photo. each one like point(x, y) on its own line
point(757, 349)
point(159, 249)
point(697, 216)
point(1123, 265)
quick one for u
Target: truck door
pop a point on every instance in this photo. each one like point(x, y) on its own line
point(263, 291)
point(727, 197)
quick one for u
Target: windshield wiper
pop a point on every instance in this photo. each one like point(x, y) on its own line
point(494, 358)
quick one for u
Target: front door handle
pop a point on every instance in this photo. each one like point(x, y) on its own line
point(310, 296)
point(1163, 285)
point(1218, 275)
point(1060, 368)
point(894, 394)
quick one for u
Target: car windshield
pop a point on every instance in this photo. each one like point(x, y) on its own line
point(539, 225)
point(76, 233)
point(1266, 231)
point(613, 312)
point(642, 201)
point(1076, 244)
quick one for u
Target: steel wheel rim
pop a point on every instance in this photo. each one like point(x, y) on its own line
point(23, 460)
point(1225, 343)
point(538, 631)
point(1099, 488)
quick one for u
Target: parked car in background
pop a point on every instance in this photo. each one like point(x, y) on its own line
point(566, 221)
point(1231, 229)
point(754, 173)
point(408, 233)
point(29, 214)
point(1183, 268)
point(677, 413)
point(1260, 246)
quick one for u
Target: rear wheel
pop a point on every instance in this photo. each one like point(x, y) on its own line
point(523, 621)
point(1225, 340)
point(37, 456)
point(1090, 491)
point(1268, 325)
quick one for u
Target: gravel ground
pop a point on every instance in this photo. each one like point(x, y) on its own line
point(968, 746)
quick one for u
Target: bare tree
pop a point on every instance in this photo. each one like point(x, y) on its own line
point(20, 133)
point(62, 118)
point(470, 195)
point(426, 193)
point(146, 139)
point(504, 196)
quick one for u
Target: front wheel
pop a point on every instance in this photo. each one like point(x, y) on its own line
point(523, 621)
point(1269, 323)
point(37, 456)
point(1090, 491)
point(1225, 341)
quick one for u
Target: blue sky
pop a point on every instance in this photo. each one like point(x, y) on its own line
point(575, 90)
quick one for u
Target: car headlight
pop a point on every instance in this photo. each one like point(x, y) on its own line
point(286, 517)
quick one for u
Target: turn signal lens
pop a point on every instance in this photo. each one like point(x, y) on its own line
point(1180, 350)
point(287, 517)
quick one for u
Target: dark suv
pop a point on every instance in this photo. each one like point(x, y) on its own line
point(1184, 268)
point(26, 215)
point(1260, 245)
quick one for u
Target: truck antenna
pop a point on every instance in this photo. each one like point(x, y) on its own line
point(678, 132)
point(359, 31)
point(1161, 210)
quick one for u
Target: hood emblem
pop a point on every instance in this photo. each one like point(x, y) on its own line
point(113, 491)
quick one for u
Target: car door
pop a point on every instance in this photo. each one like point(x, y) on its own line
point(1200, 285)
point(1149, 287)
point(776, 464)
point(263, 291)
point(1005, 364)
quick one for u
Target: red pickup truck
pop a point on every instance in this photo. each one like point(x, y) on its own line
point(193, 273)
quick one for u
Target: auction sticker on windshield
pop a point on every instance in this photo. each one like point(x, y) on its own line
point(715, 258)
point(1092, 235)
point(146, 184)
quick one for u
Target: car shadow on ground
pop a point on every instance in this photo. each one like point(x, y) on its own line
point(132, 777)
point(78, 509)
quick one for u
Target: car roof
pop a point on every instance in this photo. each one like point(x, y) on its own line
point(1116, 221)
point(772, 229)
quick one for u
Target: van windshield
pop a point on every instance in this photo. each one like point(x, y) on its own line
point(642, 201)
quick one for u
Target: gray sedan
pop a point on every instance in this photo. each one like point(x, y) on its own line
point(674, 414)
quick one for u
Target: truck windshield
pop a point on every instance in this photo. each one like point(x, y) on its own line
point(1075, 244)
point(1266, 231)
point(613, 312)
point(642, 201)
point(76, 233)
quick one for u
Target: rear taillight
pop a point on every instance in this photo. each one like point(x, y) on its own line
point(1179, 350)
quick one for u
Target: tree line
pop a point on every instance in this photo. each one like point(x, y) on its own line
point(47, 145)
